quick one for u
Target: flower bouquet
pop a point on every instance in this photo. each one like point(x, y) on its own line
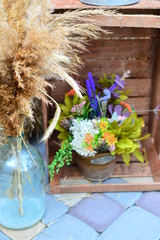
point(99, 123)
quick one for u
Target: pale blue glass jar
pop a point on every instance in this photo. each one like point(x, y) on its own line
point(22, 176)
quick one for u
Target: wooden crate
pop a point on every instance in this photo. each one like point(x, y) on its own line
point(135, 45)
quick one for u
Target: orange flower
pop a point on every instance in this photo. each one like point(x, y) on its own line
point(109, 138)
point(106, 135)
point(122, 103)
point(126, 105)
point(88, 138)
point(90, 148)
point(71, 93)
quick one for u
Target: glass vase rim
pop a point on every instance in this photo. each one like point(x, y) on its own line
point(15, 137)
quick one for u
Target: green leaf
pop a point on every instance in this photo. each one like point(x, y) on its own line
point(58, 127)
point(134, 134)
point(120, 151)
point(121, 92)
point(126, 158)
point(62, 135)
point(86, 98)
point(68, 101)
point(144, 137)
point(124, 143)
point(123, 97)
point(64, 109)
point(138, 155)
point(75, 99)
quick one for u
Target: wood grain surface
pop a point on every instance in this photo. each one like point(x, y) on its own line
point(76, 4)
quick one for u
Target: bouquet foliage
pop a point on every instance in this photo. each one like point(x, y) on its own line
point(99, 122)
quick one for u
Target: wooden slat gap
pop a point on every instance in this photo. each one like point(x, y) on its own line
point(128, 38)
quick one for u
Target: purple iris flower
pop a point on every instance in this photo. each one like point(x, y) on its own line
point(111, 109)
point(91, 91)
point(90, 94)
point(156, 110)
point(92, 82)
point(118, 82)
point(119, 110)
point(115, 95)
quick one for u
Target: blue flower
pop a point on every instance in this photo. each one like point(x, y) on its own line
point(107, 93)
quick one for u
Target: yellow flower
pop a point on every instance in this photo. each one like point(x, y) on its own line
point(103, 125)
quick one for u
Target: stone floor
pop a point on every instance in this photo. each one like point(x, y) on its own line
point(98, 216)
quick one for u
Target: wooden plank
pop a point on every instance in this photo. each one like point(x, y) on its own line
point(139, 68)
point(45, 124)
point(45, 114)
point(107, 188)
point(155, 96)
point(134, 170)
point(153, 159)
point(126, 20)
point(125, 48)
point(157, 138)
point(55, 181)
point(76, 4)
point(139, 87)
point(121, 170)
point(130, 33)
point(71, 172)
point(140, 104)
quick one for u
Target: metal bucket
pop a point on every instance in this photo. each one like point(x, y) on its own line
point(109, 2)
point(97, 168)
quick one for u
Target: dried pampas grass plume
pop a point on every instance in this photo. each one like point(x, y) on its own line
point(36, 46)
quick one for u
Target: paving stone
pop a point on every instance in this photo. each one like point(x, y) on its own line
point(135, 224)
point(71, 199)
point(98, 212)
point(54, 209)
point(3, 237)
point(68, 228)
point(151, 202)
point(127, 199)
point(26, 234)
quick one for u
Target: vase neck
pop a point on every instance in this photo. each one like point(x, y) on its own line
point(15, 142)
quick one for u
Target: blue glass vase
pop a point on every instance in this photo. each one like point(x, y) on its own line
point(22, 194)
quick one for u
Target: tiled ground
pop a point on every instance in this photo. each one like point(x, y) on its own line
point(105, 216)
point(99, 216)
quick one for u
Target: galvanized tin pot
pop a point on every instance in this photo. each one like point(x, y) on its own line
point(109, 2)
point(97, 168)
